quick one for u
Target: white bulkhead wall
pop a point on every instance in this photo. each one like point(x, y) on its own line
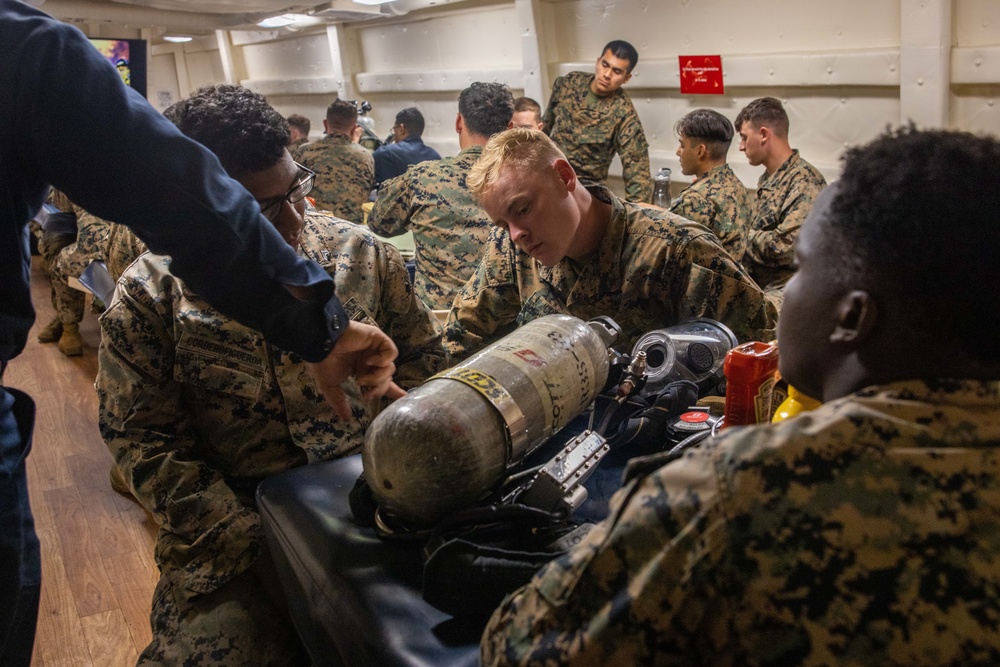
point(845, 70)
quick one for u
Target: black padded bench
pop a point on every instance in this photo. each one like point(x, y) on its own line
point(355, 599)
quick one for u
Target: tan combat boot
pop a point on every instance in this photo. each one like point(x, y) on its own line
point(70, 342)
point(51, 332)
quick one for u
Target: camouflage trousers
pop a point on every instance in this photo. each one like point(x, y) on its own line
point(67, 302)
point(243, 622)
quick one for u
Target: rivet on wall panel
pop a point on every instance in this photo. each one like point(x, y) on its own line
point(771, 71)
point(979, 61)
point(989, 103)
point(829, 70)
point(843, 100)
point(920, 82)
point(892, 67)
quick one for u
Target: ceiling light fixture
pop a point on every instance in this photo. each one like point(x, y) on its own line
point(372, 2)
point(277, 21)
point(177, 39)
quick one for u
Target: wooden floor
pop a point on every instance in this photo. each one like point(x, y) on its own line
point(98, 571)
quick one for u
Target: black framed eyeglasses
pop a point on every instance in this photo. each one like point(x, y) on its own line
point(303, 185)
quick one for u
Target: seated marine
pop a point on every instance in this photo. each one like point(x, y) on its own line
point(67, 256)
point(406, 149)
point(198, 409)
point(560, 247)
point(717, 198)
point(345, 170)
point(433, 201)
point(861, 533)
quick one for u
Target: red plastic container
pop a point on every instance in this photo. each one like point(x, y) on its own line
point(750, 375)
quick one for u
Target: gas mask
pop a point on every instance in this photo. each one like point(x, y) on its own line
point(694, 350)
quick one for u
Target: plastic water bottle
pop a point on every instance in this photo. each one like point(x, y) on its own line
point(661, 188)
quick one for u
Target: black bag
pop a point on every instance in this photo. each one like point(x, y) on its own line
point(468, 575)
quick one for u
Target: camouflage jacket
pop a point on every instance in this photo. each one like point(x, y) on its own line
point(862, 533)
point(197, 409)
point(59, 199)
point(449, 228)
point(345, 175)
point(298, 143)
point(123, 248)
point(51, 242)
point(652, 270)
point(591, 129)
point(784, 199)
point(720, 201)
point(91, 244)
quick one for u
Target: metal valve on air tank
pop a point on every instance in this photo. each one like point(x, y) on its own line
point(451, 441)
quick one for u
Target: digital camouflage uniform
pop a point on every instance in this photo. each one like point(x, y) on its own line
point(345, 175)
point(653, 269)
point(198, 409)
point(720, 201)
point(123, 248)
point(590, 130)
point(784, 199)
point(50, 242)
point(862, 533)
point(295, 145)
point(449, 228)
point(72, 260)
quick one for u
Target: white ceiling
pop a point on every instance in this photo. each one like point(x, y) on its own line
point(204, 16)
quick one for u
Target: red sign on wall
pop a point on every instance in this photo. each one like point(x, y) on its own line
point(701, 75)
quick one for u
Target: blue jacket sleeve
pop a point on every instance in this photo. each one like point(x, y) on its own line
point(80, 128)
point(388, 164)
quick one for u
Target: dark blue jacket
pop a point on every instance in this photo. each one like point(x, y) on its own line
point(394, 159)
point(67, 119)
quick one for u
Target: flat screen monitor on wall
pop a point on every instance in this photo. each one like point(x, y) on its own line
point(129, 56)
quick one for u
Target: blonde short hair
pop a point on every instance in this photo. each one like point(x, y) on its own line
point(523, 149)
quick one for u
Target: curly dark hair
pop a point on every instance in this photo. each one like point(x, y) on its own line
point(918, 211)
point(486, 108)
point(237, 124)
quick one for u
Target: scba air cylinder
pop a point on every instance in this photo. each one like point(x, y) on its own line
point(449, 442)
